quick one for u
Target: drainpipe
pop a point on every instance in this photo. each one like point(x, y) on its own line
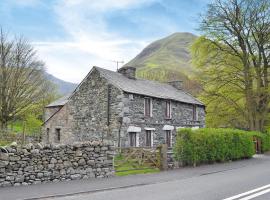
point(108, 110)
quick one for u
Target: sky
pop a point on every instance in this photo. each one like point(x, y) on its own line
point(71, 36)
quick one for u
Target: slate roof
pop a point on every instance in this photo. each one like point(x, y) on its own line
point(59, 102)
point(138, 86)
point(147, 87)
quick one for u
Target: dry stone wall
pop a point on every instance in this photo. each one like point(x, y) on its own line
point(34, 164)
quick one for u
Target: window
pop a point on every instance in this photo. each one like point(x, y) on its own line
point(148, 107)
point(168, 110)
point(133, 139)
point(58, 134)
point(169, 138)
point(149, 139)
point(194, 113)
point(48, 135)
point(130, 96)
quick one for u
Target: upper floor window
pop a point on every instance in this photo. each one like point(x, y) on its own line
point(148, 107)
point(194, 113)
point(168, 111)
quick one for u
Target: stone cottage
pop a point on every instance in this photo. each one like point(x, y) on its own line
point(119, 107)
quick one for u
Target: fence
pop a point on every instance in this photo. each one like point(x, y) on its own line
point(141, 158)
point(19, 138)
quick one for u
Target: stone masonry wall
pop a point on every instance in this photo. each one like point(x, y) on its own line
point(93, 103)
point(182, 116)
point(51, 163)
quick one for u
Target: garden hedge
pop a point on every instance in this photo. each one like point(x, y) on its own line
point(208, 145)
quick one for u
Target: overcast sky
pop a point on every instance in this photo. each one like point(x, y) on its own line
point(71, 36)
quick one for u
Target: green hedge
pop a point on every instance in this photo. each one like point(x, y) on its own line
point(265, 138)
point(210, 145)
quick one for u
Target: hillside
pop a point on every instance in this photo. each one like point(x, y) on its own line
point(168, 59)
point(63, 87)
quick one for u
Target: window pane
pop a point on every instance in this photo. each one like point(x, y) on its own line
point(168, 138)
point(148, 138)
point(132, 139)
point(147, 104)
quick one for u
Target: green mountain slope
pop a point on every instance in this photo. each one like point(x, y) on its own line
point(168, 59)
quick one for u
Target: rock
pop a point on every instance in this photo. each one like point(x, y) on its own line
point(81, 162)
point(53, 161)
point(19, 179)
point(4, 156)
point(75, 176)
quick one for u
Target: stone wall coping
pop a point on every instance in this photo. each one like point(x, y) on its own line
point(41, 146)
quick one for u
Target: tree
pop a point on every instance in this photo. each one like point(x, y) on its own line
point(240, 29)
point(22, 80)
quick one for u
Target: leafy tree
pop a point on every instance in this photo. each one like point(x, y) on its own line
point(22, 80)
point(239, 32)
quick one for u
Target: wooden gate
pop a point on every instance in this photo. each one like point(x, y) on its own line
point(257, 144)
point(134, 159)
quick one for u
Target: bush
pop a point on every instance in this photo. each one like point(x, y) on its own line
point(210, 145)
point(265, 139)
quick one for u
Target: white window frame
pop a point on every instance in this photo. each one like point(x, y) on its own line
point(151, 106)
point(171, 140)
point(137, 138)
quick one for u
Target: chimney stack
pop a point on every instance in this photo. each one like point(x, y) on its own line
point(128, 71)
point(176, 84)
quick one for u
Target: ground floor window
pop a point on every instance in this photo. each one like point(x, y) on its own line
point(149, 138)
point(133, 139)
point(169, 138)
point(58, 134)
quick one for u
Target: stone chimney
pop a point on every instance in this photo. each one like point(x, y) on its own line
point(177, 84)
point(128, 71)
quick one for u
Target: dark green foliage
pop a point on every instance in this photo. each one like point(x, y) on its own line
point(211, 145)
point(265, 138)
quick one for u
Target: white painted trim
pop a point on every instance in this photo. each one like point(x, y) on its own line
point(137, 140)
point(134, 129)
point(151, 107)
point(168, 128)
point(152, 138)
point(149, 129)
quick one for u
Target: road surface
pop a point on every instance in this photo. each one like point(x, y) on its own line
point(241, 180)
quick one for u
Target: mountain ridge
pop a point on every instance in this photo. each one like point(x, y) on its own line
point(168, 59)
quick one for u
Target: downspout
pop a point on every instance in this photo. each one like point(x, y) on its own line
point(108, 110)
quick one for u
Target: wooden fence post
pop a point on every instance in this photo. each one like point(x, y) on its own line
point(163, 157)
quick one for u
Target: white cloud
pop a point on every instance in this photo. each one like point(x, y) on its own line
point(89, 42)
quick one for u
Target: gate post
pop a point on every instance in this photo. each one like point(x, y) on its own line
point(163, 157)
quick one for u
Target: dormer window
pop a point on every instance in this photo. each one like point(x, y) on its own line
point(168, 111)
point(148, 107)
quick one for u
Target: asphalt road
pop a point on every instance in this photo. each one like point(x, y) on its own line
point(242, 180)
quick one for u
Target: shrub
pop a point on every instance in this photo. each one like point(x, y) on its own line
point(210, 145)
point(265, 139)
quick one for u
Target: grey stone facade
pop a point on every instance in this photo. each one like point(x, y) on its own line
point(52, 163)
point(108, 105)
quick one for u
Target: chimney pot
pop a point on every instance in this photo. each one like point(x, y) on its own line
point(176, 84)
point(128, 71)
